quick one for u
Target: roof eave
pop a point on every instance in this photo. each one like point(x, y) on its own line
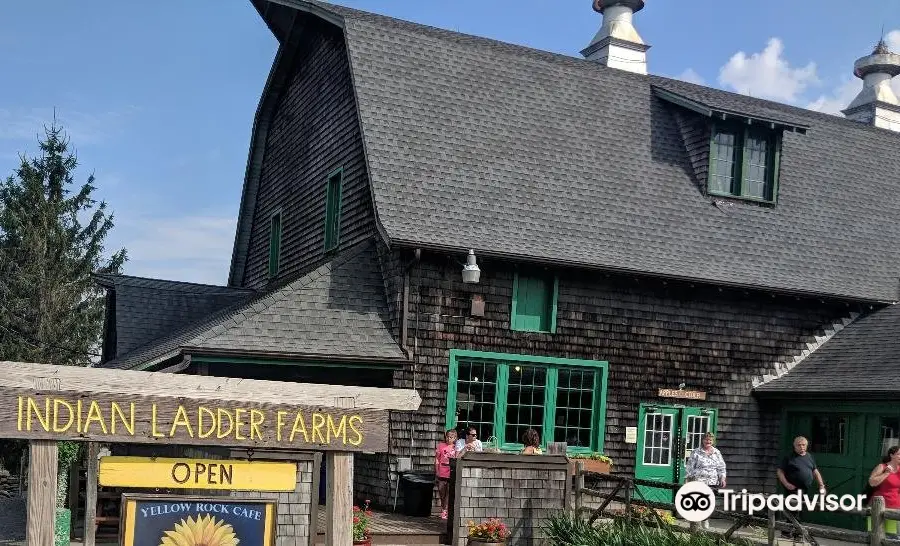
point(795, 395)
point(436, 247)
point(199, 353)
point(720, 113)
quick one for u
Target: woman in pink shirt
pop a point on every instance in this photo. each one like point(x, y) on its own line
point(442, 455)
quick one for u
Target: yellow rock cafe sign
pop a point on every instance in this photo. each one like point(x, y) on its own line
point(164, 473)
point(61, 415)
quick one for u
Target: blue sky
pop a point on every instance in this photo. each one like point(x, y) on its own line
point(158, 98)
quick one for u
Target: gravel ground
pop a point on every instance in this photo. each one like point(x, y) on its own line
point(12, 520)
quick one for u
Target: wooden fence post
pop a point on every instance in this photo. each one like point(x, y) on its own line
point(339, 491)
point(877, 535)
point(579, 486)
point(771, 527)
point(90, 494)
point(43, 459)
point(41, 519)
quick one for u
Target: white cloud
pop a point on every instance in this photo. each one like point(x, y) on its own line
point(839, 99)
point(893, 40)
point(81, 127)
point(690, 75)
point(767, 74)
point(192, 248)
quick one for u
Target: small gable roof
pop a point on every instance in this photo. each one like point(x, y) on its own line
point(146, 309)
point(338, 311)
point(525, 154)
point(861, 359)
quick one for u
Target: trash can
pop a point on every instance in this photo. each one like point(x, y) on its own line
point(418, 493)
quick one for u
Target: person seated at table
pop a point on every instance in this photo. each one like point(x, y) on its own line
point(532, 442)
point(469, 443)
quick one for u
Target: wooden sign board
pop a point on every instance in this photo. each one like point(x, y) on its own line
point(164, 473)
point(678, 393)
point(153, 520)
point(101, 417)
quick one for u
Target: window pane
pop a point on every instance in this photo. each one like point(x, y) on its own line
point(657, 438)
point(697, 427)
point(525, 402)
point(756, 156)
point(475, 392)
point(890, 433)
point(721, 165)
point(574, 406)
point(828, 434)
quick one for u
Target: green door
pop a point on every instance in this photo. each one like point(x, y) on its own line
point(666, 437)
point(837, 442)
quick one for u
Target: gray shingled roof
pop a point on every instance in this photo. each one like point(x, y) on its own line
point(474, 143)
point(863, 358)
point(146, 309)
point(337, 310)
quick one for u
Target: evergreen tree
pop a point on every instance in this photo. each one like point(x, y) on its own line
point(51, 241)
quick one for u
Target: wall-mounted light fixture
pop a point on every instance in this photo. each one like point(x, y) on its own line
point(471, 273)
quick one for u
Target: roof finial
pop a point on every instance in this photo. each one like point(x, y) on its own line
point(881, 48)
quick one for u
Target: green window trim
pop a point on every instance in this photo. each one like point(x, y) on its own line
point(739, 157)
point(274, 244)
point(534, 304)
point(333, 191)
point(504, 364)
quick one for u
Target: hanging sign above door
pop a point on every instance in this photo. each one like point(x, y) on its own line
point(681, 393)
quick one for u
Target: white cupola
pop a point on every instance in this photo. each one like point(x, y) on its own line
point(617, 44)
point(876, 104)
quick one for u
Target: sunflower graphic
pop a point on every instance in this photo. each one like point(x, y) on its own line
point(204, 531)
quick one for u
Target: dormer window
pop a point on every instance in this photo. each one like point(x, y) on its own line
point(744, 161)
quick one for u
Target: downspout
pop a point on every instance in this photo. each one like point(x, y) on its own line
point(404, 337)
point(404, 314)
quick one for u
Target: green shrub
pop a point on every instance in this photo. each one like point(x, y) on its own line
point(571, 530)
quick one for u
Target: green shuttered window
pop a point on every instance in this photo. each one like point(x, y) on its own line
point(534, 303)
point(502, 395)
point(274, 244)
point(333, 209)
point(744, 162)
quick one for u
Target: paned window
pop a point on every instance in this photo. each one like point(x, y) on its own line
point(274, 244)
point(657, 439)
point(829, 434)
point(890, 433)
point(697, 427)
point(503, 395)
point(744, 162)
point(333, 210)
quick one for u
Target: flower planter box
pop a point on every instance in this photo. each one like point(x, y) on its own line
point(590, 465)
point(365, 542)
point(481, 542)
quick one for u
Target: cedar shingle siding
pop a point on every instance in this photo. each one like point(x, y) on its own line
point(653, 335)
point(313, 131)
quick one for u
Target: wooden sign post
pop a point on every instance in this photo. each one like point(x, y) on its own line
point(45, 404)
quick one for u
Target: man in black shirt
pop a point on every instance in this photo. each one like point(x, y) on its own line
point(798, 471)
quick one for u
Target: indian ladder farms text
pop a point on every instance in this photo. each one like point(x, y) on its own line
point(85, 417)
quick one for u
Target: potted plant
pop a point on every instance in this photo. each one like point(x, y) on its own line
point(593, 462)
point(492, 531)
point(68, 453)
point(361, 518)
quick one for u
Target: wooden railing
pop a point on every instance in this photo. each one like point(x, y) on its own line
point(625, 491)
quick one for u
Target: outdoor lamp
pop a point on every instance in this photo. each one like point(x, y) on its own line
point(471, 273)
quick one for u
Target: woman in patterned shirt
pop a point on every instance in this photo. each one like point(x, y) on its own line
point(707, 465)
